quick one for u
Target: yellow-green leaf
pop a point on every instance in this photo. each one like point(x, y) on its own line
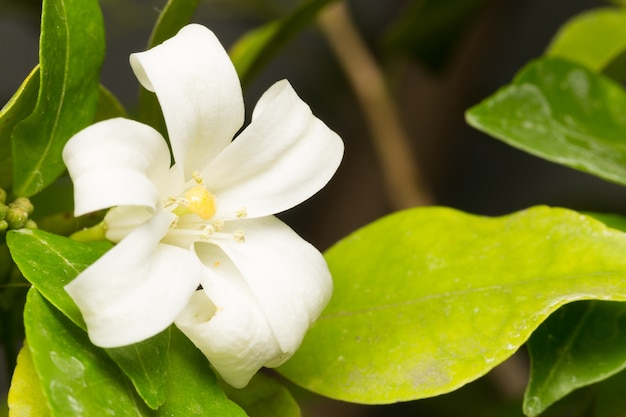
point(429, 299)
point(25, 395)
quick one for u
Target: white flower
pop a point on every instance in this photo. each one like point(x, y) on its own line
point(206, 220)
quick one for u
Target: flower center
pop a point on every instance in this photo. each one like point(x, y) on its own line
point(197, 200)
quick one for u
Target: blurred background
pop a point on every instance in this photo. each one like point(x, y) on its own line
point(438, 58)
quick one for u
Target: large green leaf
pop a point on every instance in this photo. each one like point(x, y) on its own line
point(78, 378)
point(175, 15)
point(562, 112)
point(429, 299)
point(595, 39)
point(192, 387)
point(146, 364)
point(256, 48)
point(17, 109)
point(71, 53)
point(579, 345)
point(49, 262)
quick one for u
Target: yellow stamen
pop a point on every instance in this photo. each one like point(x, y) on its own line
point(241, 213)
point(197, 200)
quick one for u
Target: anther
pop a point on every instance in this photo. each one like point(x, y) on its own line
point(207, 231)
point(217, 224)
point(241, 213)
point(197, 177)
point(239, 236)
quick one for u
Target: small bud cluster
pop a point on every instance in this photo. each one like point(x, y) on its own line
point(15, 215)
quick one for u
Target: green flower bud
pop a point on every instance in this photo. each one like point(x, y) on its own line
point(3, 226)
point(16, 217)
point(3, 196)
point(23, 203)
point(30, 224)
point(3, 211)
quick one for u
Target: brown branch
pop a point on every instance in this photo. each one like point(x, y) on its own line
point(403, 179)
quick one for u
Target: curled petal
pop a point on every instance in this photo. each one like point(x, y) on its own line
point(226, 324)
point(287, 276)
point(117, 162)
point(137, 289)
point(122, 220)
point(284, 157)
point(199, 93)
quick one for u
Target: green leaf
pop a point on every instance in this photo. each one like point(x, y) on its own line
point(562, 112)
point(429, 299)
point(175, 15)
point(146, 364)
point(50, 262)
point(256, 48)
point(71, 53)
point(594, 39)
point(17, 109)
point(614, 221)
point(108, 106)
point(264, 396)
point(610, 401)
point(192, 387)
point(78, 378)
point(26, 397)
point(579, 345)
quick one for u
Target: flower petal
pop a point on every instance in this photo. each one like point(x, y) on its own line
point(199, 93)
point(288, 276)
point(137, 289)
point(225, 323)
point(117, 162)
point(122, 220)
point(284, 157)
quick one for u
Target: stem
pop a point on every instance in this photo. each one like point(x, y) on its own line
point(402, 176)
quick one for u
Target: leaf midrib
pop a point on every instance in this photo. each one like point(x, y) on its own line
point(37, 167)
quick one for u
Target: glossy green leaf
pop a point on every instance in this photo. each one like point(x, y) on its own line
point(429, 299)
point(175, 15)
point(192, 388)
point(594, 39)
point(71, 53)
point(146, 364)
point(26, 397)
point(78, 378)
point(49, 262)
point(562, 112)
point(17, 109)
point(578, 345)
point(256, 48)
point(264, 396)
